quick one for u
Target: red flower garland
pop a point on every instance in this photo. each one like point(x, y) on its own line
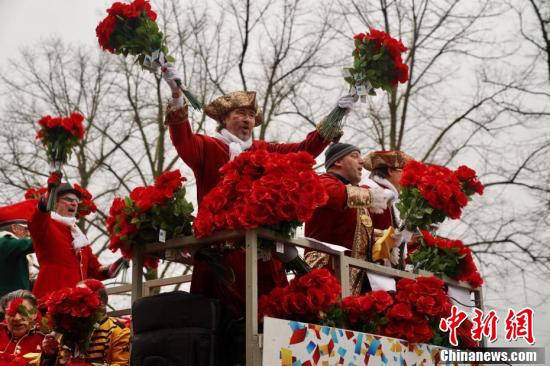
point(307, 298)
point(133, 219)
point(73, 312)
point(261, 188)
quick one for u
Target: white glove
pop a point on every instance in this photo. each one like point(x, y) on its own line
point(394, 256)
point(379, 200)
point(346, 102)
point(170, 75)
point(401, 236)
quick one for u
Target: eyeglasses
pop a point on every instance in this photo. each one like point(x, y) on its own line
point(70, 199)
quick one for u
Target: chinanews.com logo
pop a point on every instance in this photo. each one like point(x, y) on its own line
point(484, 327)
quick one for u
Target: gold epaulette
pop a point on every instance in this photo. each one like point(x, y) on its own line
point(358, 197)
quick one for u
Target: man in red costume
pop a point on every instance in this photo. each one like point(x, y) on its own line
point(345, 218)
point(63, 251)
point(385, 169)
point(237, 114)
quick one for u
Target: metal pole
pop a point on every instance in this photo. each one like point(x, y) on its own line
point(342, 273)
point(253, 356)
point(137, 274)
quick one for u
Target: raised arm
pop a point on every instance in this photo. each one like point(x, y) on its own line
point(190, 147)
point(315, 141)
point(313, 144)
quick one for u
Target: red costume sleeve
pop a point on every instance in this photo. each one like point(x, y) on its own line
point(94, 269)
point(337, 194)
point(313, 144)
point(38, 226)
point(190, 147)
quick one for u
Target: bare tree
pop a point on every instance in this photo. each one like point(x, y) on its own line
point(465, 103)
point(275, 49)
point(536, 28)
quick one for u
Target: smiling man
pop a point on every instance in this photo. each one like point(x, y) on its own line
point(237, 114)
point(345, 219)
point(63, 251)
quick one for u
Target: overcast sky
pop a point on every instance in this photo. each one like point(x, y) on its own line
point(24, 23)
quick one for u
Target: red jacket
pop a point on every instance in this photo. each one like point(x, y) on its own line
point(30, 343)
point(335, 222)
point(344, 220)
point(60, 264)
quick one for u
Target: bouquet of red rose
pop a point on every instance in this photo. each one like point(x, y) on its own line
point(259, 188)
point(429, 194)
point(73, 313)
point(367, 312)
point(59, 135)
point(309, 298)
point(377, 63)
point(85, 207)
point(149, 212)
point(131, 29)
point(7, 359)
point(469, 180)
point(451, 257)
point(419, 306)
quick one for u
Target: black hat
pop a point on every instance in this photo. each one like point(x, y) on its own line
point(337, 151)
point(67, 188)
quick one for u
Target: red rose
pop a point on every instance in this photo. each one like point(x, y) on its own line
point(400, 311)
point(382, 300)
point(427, 305)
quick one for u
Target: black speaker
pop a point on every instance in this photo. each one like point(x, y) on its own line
point(176, 329)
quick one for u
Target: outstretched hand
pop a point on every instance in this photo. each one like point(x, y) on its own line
point(346, 102)
point(172, 77)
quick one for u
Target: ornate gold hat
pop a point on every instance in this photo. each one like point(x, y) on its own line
point(393, 158)
point(221, 106)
